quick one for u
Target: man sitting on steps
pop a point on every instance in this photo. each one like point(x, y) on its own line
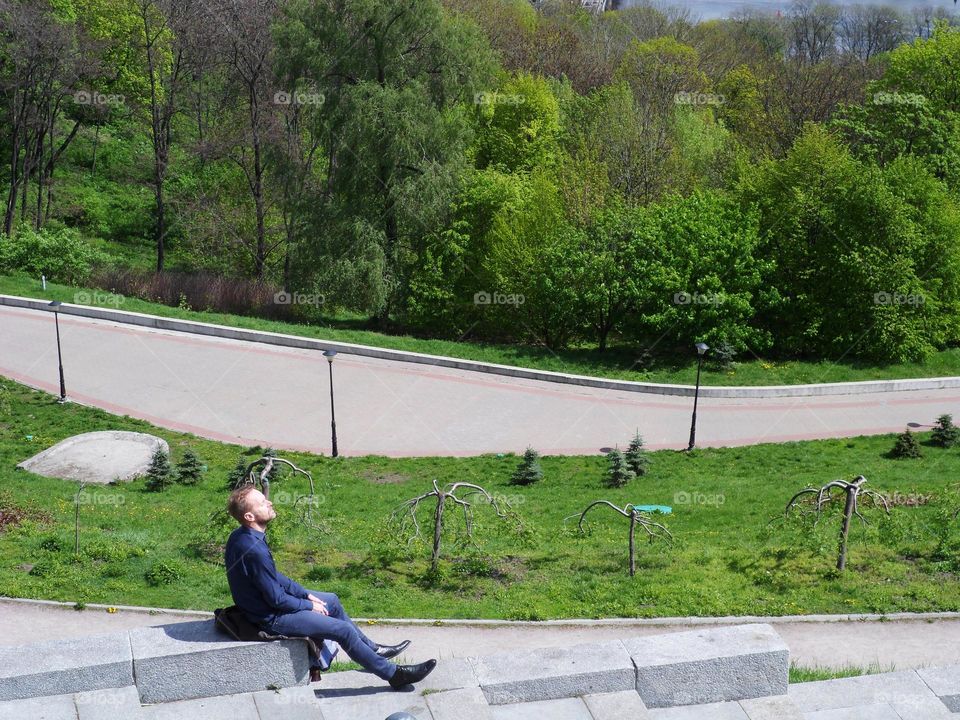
point(283, 607)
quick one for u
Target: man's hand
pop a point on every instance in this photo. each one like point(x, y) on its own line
point(319, 606)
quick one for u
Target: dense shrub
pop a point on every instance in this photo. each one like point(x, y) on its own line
point(164, 572)
point(60, 254)
point(200, 291)
point(906, 447)
point(945, 433)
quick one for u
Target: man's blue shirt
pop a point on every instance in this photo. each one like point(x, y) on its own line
point(257, 587)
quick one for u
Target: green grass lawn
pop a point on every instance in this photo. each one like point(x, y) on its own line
point(803, 673)
point(727, 558)
point(617, 362)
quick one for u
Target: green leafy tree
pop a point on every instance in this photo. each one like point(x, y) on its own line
point(518, 125)
point(945, 433)
point(394, 75)
point(914, 108)
point(618, 275)
point(529, 470)
point(189, 469)
point(451, 270)
point(661, 73)
point(847, 247)
point(605, 128)
point(743, 110)
point(891, 125)
point(618, 469)
point(928, 66)
point(702, 272)
point(636, 455)
point(159, 474)
point(536, 262)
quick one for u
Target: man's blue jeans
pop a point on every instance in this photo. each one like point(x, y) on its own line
point(336, 626)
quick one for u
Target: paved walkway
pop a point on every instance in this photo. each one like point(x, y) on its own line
point(250, 393)
point(893, 645)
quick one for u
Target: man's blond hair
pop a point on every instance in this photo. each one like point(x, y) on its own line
point(238, 504)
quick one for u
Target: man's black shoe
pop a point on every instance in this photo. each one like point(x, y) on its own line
point(391, 651)
point(410, 674)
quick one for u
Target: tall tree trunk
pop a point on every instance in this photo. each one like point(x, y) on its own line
point(845, 529)
point(25, 173)
point(159, 227)
point(96, 144)
point(261, 256)
point(14, 188)
point(437, 532)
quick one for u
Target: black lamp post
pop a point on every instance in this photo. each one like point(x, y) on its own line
point(701, 349)
point(330, 355)
point(56, 321)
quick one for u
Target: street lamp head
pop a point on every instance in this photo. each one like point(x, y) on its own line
point(701, 348)
point(55, 304)
point(329, 355)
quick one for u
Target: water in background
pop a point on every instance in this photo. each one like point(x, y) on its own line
point(711, 9)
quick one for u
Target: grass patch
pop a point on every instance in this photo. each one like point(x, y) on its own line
point(815, 673)
point(164, 549)
point(337, 666)
point(618, 362)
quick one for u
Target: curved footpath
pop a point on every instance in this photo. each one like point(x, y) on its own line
point(892, 642)
point(295, 341)
point(254, 392)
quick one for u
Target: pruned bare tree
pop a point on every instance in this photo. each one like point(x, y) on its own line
point(636, 517)
point(453, 494)
point(813, 501)
point(868, 30)
point(261, 471)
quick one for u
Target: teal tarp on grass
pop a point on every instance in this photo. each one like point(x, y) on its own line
point(665, 509)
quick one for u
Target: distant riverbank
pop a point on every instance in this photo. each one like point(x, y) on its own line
point(713, 9)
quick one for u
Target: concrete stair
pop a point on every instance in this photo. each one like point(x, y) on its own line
point(166, 663)
point(736, 673)
point(898, 696)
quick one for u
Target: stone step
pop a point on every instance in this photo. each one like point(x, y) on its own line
point(709, 666)
point(65, 666)
point(626, 705)
point(108, 704)
point(168, 665)
point(563, 709)
point(227, 707)
point(860, 712)
point(555, 673)
point(778, 707)
point(706, 711)
point(463, 704)
point(183, 661)
point(772, 708)
point(49, 707)
point(165, 663)
point(297, 703)
point(903, 693)
point(945, 684)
